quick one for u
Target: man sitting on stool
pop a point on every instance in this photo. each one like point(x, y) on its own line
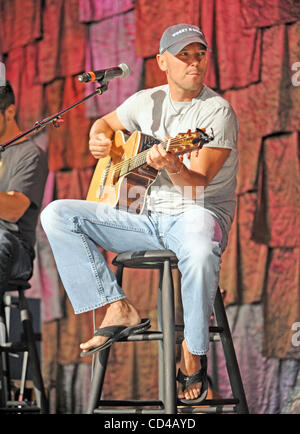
point(189, 207)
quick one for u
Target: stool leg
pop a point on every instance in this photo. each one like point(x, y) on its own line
point(98, 380)
point(5, 377)
point(161, 392)
point(168, 321)
point(34, 358)
point(230, 356)
point(100, 365)
point(23, 375)
point(119, 274)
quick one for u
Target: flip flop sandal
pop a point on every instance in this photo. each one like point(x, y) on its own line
point(198, 377)
point(115, 333)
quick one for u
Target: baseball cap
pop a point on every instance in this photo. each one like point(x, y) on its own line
point(176, 37)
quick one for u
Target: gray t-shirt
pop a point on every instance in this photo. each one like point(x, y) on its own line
point(153, 112)
point(24, 169)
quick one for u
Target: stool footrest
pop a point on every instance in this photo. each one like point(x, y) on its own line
point(210, 406)
point(19, 407)
point(128, 403)
point(104, 407)
point(207, 406)
point(13, 347)
point(158, 335)
point(145, 336)
point(129, 411)
point(214, 402)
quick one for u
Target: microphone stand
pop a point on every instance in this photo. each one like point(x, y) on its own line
point(55, 119)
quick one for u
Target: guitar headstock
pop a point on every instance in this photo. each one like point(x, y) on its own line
point(189, 141)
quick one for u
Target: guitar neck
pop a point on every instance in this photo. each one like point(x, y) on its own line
point(133, 163)
point(138, 160)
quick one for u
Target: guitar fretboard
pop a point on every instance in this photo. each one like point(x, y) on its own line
point(172, 145)
point(133, 163)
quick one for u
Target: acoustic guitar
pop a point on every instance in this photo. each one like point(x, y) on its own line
point(123, 178)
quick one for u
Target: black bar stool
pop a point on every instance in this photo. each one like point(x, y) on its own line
point(27, 345)
point(165, 260)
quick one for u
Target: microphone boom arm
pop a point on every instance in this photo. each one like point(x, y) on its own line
point(54, 119)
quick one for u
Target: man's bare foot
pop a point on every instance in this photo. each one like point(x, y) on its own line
point(119, 313)
point(189, 365)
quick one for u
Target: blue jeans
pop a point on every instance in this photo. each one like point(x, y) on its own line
point(76, 228)
point(16, 259)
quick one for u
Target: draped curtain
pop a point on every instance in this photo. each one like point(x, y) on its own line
point(255, 47)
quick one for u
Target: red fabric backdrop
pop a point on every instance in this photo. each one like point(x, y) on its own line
point(45, 45)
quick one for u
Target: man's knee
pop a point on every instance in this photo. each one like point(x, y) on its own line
point(202, 254)
point(52, 214)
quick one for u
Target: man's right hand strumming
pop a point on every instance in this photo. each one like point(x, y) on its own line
point(101, 133)
point(100, 145)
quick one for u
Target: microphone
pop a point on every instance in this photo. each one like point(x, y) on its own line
point(105, 75)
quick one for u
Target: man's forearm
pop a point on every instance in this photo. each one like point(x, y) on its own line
point(101, 126)
point(13, 205)
point(106, 125)
point(188, 182)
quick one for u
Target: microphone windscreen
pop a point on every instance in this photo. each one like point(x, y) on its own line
point(125, 68)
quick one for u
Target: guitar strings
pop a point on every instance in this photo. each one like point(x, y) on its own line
point(140, 158)
point(135, 161)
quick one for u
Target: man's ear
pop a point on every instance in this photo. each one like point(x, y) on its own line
point(10, 112)
point(162, 63)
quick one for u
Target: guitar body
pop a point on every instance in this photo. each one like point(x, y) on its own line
point(128, 191)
